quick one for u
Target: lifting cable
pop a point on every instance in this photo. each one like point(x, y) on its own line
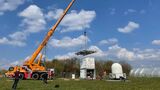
point(44, 52)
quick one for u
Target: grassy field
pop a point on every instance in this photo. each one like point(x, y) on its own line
point(132, 84)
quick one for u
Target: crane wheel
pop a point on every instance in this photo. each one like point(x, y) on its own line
point(35, 76)
point(21, 76)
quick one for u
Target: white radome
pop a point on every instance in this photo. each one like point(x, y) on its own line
point(117, 72)
point(116, 68)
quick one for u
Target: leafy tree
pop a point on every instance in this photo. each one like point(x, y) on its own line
point(3, 71)
point(72, 65)
point(99, 68)
point(107, 66)
point(126, 67)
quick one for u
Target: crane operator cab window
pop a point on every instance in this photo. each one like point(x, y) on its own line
point(11, 69)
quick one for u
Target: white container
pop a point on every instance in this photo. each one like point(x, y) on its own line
point(73, 76)
point(87, 65)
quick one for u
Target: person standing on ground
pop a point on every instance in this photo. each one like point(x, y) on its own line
point(91, 75)
point(45, 77)
point(52, 75)
point(16, 79)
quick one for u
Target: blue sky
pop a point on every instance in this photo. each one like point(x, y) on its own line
point(117, 30)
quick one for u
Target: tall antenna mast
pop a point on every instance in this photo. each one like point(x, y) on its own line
point(85, 39)
point(85, 51)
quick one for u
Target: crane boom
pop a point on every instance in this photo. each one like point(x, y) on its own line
point(49, 34)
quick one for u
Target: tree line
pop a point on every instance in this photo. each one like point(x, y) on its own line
point(70, 66)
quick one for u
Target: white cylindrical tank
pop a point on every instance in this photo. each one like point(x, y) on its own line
point(116, 68)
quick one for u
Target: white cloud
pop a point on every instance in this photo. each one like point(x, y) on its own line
point(20, 36)
point(110, 41)
point(66, 56)
point(55, 14)
point(67, 42)
point(3, 40)
point(133, 11)
point(1, 13)
point(148, 54)
point(99, 53)
point(120, 53)
point(129, 28)
point(33, 19)
point(9, 5)
point(33, 22)
point(116, 52)
point(95, 48)
point(15, 63)
point(112, 11)
point(130, 11)
point(75, 21)
point(156, 42)
point(142, 11)
point(6, 63)
point(6, 41)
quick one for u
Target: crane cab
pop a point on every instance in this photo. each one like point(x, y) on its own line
point(12, 70)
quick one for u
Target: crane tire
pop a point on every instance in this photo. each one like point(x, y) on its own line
point(21, 76)
point(35, 76)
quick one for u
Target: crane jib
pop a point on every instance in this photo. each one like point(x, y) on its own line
point(49, 34)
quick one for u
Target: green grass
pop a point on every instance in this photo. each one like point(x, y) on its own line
point(132, 84)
